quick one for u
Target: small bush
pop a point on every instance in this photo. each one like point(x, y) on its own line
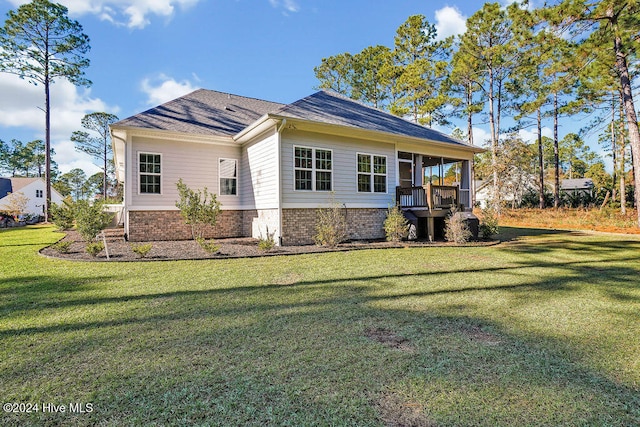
point(91, 219)
point(94, 248)
point(396, 226)
point(267, 244)
point(62, 246)
point(489, 223)
point(208, 246)
point(456, 229)
point(198, 208)
point(142, 250)
point(63, 215)
point(331, 226)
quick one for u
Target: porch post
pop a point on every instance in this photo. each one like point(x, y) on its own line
point(465, 185)
point(418, 174)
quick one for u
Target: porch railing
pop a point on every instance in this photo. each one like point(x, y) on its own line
point(429, 196)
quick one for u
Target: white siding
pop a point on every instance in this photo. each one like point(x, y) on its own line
point(259, 173)
point(195, 163)
point(344, 174)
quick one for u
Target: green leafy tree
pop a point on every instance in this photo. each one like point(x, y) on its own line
point(199, 208)
point(423, 61)
point(486, 45)
point(97, 142)
point(91, 219)
point(75, 180)
point(38, 42)
point(335, 73)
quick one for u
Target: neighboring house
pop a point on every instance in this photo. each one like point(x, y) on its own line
point(512, 190)
point(272, 165)
point(32, 188)
point(577, 186)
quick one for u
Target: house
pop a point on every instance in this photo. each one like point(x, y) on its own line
point(272, 165)
point(512, 189)
point(577, 186)
point(32, 188)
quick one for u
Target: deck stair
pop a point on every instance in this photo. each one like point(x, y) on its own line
point(114, 234)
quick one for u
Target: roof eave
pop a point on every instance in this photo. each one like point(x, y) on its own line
point(350, 131)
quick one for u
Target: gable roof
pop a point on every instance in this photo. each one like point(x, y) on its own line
point(208, 112)
point(333, 108)
point(19, 183)
point(203, 112)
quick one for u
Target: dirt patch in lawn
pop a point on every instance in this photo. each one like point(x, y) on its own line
point(397, 412)
point(119, 250)
point(390, 339)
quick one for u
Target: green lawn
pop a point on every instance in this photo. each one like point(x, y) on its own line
point(540, 330)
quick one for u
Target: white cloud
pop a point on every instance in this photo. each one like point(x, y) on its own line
point(287, 5)
point(21, 106)
point(130, 13)
point(531, 136)
point(164, 88)
point(450, 22)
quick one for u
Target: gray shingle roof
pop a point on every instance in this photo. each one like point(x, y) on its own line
point(333, 108)
point(203, 112)
point(208, 112)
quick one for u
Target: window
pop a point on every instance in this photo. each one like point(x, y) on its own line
point(313, 169)
point(228, 173)
point(150, 173)
point(39, 193)
point(372, 173)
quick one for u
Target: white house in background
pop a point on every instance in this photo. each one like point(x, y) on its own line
point(32, 188)
point(272, 165)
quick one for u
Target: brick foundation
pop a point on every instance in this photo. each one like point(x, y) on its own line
point(299, 225)
point(169, 225)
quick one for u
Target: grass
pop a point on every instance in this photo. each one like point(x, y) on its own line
point(540, 330)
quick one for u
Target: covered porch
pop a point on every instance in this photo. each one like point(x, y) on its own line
point(429, 188)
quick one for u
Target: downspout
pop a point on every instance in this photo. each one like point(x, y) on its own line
point(279, 136)
point(126, 181)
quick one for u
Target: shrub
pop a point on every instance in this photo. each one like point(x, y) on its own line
point(456, 229)
point(94, 248)
point(141, 250)
point(488, 223)
point(62, 246)
point(208, 246)
point(63, 215)
point(198, 208)
point(267, 243)
point(396, 226)
point(91, 219)
point(331, 225)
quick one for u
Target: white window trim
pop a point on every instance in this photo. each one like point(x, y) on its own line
point(140, 193)
point(372, 174)
point(313, 168)
point(237, 177)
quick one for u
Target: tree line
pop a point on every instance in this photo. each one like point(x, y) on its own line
point(530, 66)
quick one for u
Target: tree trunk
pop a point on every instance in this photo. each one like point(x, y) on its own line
point(632, 119)
point(623, 184)
point(541, 160)
point(47, 142)
point(556, 153)
point(494, 144)
point(614, 148)
point(469, 114)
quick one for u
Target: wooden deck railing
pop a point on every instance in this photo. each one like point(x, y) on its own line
point(429, 196)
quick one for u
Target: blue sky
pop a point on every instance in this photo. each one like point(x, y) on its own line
point(147, 52)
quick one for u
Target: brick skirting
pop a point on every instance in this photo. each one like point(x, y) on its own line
point(299, 225)
point(147, 226)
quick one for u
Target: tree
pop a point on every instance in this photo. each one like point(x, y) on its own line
point(335, 73)
point(76, 181)
point(604, 25)
point(98, 147)
point(486, 45)
point(15, 204)
point(40, 43)
point(424, 67)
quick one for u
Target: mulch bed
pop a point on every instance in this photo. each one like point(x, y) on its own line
point(119, 250)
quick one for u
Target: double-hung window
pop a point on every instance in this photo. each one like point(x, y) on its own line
point(39, 193)
point(228, 172)
point(372, 173)
point(150, 173)
point(313, 169)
